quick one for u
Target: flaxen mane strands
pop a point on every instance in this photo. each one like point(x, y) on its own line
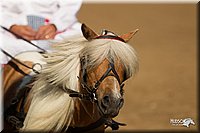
point(51, 107)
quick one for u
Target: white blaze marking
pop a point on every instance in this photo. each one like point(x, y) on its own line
point(116, 91)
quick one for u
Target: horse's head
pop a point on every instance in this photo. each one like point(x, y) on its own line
point(105, 67)
point(102, 63)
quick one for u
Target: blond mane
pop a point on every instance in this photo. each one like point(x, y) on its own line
point(51, 107)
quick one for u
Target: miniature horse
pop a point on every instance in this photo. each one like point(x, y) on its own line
point(79, 87)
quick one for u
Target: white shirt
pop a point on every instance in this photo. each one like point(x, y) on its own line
point(62, 13)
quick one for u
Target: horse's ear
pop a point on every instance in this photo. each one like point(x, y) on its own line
point(88, 33)
point(129, 35)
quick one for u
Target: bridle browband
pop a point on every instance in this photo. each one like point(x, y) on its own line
point(105, 34)
point(110, 37)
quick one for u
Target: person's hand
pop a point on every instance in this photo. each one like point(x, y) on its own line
point(46, 32)
point(23, 31)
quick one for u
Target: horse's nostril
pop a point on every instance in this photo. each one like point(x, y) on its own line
point(106, 101)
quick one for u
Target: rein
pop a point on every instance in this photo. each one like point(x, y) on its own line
point(20, 37)
point(21, 63)
point(12, 116)
point(29, 42)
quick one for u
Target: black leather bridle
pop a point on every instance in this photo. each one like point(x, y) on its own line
point(91, 96)
point(91, 90)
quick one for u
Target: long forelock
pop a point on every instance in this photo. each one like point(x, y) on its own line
point(113, 50)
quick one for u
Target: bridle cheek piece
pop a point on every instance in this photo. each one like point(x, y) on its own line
point(91, 91)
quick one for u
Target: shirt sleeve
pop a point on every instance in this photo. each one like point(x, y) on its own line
point(65, 16)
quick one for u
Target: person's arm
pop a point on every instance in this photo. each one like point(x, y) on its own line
point(66, 15)
point(24, 31)
point(12, 18)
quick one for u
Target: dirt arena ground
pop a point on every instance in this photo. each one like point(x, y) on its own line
point(166, 85)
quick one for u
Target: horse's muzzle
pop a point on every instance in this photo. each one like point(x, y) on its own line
point(110, 106)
